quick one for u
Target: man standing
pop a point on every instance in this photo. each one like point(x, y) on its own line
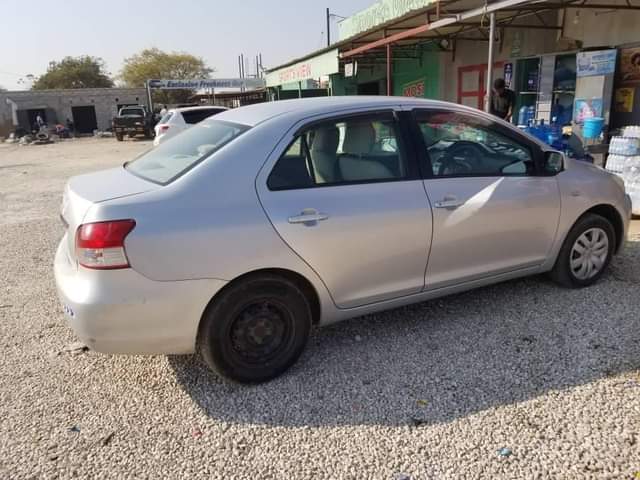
point(502, 100)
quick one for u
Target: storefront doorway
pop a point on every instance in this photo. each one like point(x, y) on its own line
point(471, 83)
point(84, 119)
point(369, 88)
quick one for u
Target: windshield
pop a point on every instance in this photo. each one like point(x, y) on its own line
point(175, 157)
point(131, 112)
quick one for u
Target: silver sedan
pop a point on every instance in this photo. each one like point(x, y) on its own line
point(237, 236)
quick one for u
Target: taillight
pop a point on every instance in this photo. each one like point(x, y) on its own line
point(164, 128)
point(100, 245)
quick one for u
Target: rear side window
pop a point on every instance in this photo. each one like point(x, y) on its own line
point(171, 159)
point(196, 116)
point(167, 118)
point(343, 151)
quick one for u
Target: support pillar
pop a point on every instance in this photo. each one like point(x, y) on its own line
point(492, 37)
point(389, 71)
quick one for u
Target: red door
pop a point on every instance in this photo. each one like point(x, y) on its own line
point(471, 83)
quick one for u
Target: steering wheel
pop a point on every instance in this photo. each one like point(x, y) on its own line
point(460, 158)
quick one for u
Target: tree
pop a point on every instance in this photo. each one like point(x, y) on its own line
point(153, 63)
point(75, 72)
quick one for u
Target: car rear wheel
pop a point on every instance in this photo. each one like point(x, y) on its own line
point(586, 252)
point(119, 137)
point(256, 329)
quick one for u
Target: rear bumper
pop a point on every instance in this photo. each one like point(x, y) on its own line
point(121, 311)
point(130, 130)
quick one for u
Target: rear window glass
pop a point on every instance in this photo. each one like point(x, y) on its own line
point(131, 112)
point(171, 159)
point(196, 116)
point(166, 118)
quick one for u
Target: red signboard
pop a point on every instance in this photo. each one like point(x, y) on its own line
point(295, 73)
point(414, 89)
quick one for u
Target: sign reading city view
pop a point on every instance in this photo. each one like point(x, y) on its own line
point(380, 12)
point(312, 68)
point(206, 83)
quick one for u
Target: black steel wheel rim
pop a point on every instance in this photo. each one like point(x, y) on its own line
point(261, 331)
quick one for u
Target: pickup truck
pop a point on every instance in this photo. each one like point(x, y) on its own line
point(132, 121)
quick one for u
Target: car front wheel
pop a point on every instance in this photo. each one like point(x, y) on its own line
point(255, 329)
point(586, 252)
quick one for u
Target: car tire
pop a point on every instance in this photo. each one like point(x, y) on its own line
point(585, 253)
point(254, 330)
point(119, 137)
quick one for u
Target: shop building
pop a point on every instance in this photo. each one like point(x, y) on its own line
point(89, 108)
point(440, 49)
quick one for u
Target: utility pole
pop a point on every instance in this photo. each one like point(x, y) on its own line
point(328, 28)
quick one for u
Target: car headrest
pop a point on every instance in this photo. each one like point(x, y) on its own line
point(326, 140)
point(359, 138)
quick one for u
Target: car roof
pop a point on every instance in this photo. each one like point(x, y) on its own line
point(252, 115)
point(257, 113)
point(201, 107)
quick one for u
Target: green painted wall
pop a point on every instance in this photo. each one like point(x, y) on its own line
point(405, 71)
point(349, 86)
point(426, 68)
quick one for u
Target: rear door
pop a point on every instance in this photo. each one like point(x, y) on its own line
point(493, 212)
point(345, 194)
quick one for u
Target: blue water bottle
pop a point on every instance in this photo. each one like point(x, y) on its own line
point(523, 115)
point(531, 114)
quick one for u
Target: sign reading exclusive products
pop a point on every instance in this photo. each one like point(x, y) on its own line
point(312, 68)
point(199, 84)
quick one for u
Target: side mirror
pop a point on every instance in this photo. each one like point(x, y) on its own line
point(553, 163)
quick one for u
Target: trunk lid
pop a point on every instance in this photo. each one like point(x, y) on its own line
point(83, 191)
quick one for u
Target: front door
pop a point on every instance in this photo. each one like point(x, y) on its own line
point(492, 212)
point(347, 199)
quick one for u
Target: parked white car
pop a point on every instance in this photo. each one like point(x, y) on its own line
point(177, 120)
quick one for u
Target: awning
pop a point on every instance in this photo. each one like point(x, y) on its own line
point(465, 20)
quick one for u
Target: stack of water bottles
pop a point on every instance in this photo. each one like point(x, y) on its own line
point(624, 160)
point(548, 133)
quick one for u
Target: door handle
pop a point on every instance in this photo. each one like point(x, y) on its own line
point(448, 202)
point(309, 216)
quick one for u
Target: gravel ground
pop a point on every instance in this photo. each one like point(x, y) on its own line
point(550, 376)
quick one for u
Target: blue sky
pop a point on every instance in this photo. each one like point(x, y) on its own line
point(35, 32)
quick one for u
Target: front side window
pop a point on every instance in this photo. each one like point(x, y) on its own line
point(351, 150)
point(171, 159)
point(464, 145)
